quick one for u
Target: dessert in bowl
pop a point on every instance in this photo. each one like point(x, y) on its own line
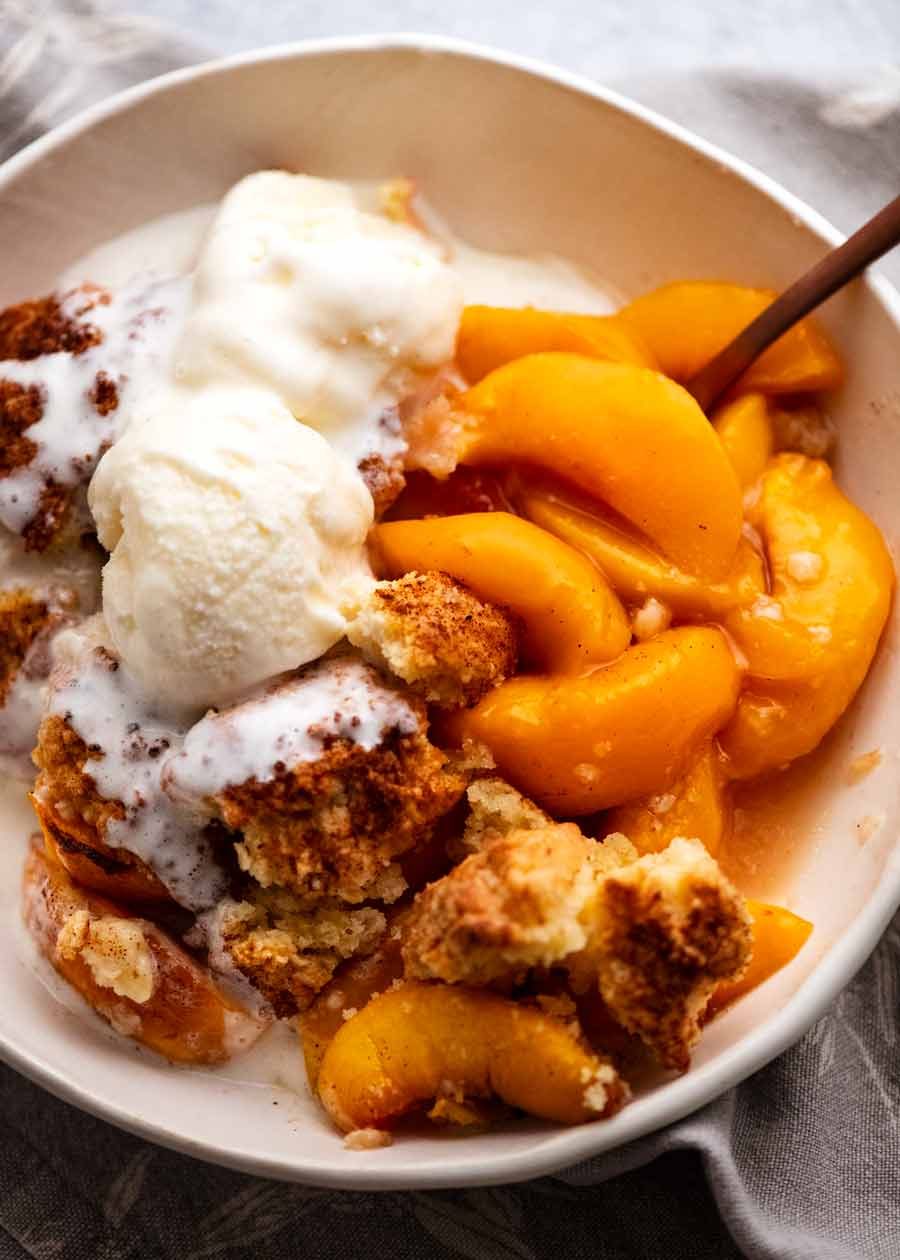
point(447, 664)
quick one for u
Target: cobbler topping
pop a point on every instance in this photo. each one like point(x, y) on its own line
point(805, 566)
point(61, 408)
point(115, 951)
point(129, 738)
point(29, 618)
point(367, 1139)
point(652, 618)
point(293, 722)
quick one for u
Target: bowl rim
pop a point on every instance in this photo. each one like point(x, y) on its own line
point(701, 1085)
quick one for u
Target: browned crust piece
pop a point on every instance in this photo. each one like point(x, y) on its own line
point(495, 808)
point(39, 326)
point(524, 900)
point(64, 786)
point(445, 643)
point(27, 331)
point(384, 479)
point(290, 953)
point(671, 927)
point(21, 406)
point(50, 519)
point(74, 817)
point(23, 617)
point(334, 826)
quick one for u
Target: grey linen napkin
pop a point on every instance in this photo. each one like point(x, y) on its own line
point(802, 1161)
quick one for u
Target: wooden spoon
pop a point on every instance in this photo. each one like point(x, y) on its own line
point(837, 268)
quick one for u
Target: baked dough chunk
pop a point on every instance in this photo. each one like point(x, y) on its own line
point(445, 643)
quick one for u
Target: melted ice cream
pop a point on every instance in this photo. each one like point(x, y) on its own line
point(229, 523)
point(301, 291)
point(68, 586)
point(340, 698)
point(129, 738)
point(139, 325)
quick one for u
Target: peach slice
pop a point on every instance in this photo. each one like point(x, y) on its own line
point(745, 430)
point(697, 806)
point(115, 873)
point(571, 617)
point(626, 435)
point(778, 936)
point(831, 579)
point(407, 1045)
point(348, 991)
point(130, 971)
point(685, 324)
point(809, 644)
point(490, 336)
point(627, 730)
point(633, 569)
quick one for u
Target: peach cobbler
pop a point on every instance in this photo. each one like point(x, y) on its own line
point(435, 639)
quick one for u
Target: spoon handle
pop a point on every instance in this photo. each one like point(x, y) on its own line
point(828, 275)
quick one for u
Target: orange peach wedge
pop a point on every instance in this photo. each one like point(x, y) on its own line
point(402, 1049)
point(697, 805)
point(809, 642)
point(745, 430)
point(634, 570)
point(685, 324)
point(130, 971)
point(626, 730)
point(571, 617)
point(490, 336)
point(778, 936)
point(626, 435)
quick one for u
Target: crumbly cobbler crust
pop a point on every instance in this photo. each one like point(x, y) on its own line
point(446, 644)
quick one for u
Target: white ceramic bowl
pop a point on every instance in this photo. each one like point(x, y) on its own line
point(520, 158)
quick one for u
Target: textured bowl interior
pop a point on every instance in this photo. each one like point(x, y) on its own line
point(516, 159)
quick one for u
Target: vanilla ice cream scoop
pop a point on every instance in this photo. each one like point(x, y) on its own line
point(236, 537)
point(334, 308)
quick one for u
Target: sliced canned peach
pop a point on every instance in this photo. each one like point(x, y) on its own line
point(408, 1045)
point(778, 936)
point(130, 971)
point(685, 324)
point(627, 730)
point(775, 723)
point(697, 806)
point(633, 569)
point(626, 435)
point(745, 430)
point(490, 336)
point(349, 990)
point(93, 864)
point(571, 617)
point(831, 579)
